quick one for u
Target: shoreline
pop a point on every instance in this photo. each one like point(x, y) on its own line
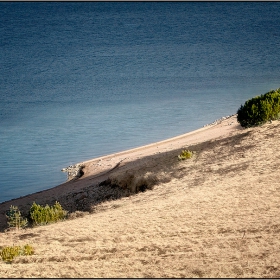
point(98, 169)
point(76, 171)
point(82, 164)
point(209, 131)
point(162, 142)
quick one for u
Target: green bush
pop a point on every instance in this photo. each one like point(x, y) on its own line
point(185, 154)
point(42, 215)
point(260, 109)
point(9, 253)
point(15, 219)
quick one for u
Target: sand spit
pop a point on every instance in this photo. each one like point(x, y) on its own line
point(215, 215)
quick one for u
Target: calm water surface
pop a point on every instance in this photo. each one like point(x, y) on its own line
point(82, 80)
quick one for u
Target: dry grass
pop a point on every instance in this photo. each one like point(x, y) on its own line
point(214, 215)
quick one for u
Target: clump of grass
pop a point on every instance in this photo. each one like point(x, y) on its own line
point(15, 220)
point(27, 250)
point(133, 184)
point(185, 154)
point(10, 252)
point(42, 215)
point(77, 214)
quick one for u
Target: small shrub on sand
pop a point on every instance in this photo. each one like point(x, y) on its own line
point(42, 215)
point(9, 253)
point(27, 250)
point(15, 220)
point(185, 154)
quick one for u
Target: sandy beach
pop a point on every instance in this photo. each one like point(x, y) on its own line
point(214, 215)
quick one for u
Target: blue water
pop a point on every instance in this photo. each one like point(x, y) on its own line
point(82, 80)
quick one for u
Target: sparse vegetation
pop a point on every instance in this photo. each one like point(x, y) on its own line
point(185, 154)
point(260, 109)
point(42, 215)
point(10, 252)
point(15, 220)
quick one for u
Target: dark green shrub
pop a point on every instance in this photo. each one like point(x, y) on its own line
point(15, 219)
point(9, 253)
point(260, 109)
point(42, 215)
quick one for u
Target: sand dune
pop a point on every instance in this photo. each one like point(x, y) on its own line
point(214, 215)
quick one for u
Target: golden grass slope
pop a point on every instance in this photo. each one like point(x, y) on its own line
point(214, 215)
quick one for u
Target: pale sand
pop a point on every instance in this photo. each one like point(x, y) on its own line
point(215, 215)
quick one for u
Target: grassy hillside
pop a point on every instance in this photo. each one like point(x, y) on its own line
point(213, 215)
